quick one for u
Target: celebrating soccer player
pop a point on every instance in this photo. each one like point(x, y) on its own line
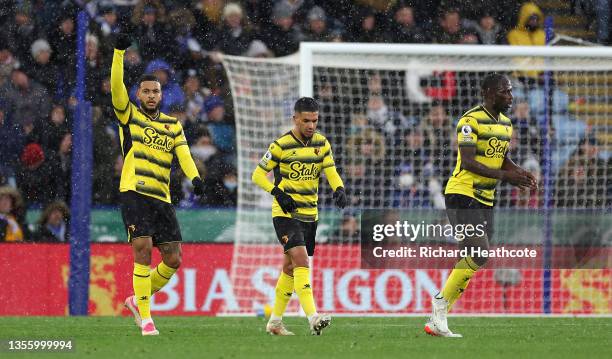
point(484, 134)
point(149, 142)
point(297, 158)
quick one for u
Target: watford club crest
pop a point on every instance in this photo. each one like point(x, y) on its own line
point(285, 239)
point(317, 150)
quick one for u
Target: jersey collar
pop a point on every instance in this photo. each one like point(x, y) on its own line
point(147, 116)
point(489, 113)
point(300, 141)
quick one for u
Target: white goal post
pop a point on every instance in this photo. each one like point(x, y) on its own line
point(389, 111)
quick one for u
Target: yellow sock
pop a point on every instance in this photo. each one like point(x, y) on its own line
point(284, 290)
point(160, 275)
point(142, 289)
point(301, 279)
point(458, 280)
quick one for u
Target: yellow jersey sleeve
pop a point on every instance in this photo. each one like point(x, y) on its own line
point(329, 168)
point(181, 149)
point(271, 158)
point(119, 94)
point(268, 162)
point(467, 131)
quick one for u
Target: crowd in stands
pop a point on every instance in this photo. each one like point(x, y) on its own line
point(180, 41)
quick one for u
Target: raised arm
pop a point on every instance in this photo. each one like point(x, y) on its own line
point(121, 101)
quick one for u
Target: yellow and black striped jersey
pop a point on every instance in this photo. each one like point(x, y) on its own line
point(491, 137)
point(297, 167)
point(148, 144)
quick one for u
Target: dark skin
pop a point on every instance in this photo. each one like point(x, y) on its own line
point(305, 125)
point(171, 253)
point(150, 95)
point(498, 99)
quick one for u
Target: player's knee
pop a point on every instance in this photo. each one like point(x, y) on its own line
point(288, 269)
point(143, 256)
point(174, 261)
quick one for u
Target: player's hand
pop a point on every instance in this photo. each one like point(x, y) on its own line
point(122, 41)
point(286, 203)
point(198, 186)
point(519, 179)
point(340, 198)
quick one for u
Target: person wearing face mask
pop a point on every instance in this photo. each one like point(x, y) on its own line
point(221, 192)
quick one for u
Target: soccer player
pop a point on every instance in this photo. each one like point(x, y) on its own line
point(484, 134)
point(297, 158)
point(149, 142)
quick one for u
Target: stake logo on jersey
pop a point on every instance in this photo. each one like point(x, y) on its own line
point(304, 171)
point(491, 138)
point(156, 140)
point(297, 168)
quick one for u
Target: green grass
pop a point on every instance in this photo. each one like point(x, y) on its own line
point(371, 338)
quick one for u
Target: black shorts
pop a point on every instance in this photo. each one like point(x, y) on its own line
point(293, 233)
point(144, 216)
point(463, 210)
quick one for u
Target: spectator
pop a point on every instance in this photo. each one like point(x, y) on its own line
point(207, 14)
point(449, 30)
point(10, 147)
point(21, 32)
point(153, 36)
point(182, 23)
point(234, 36)
point(35, 178)
point(108, 27)
point(60, 163)
point(27, 99)
point(172, 93)
point(194, 105)
point(133, 66)
point(41, 68)
point(11, 215)
point(54, 129)
point(204, 150)
point(384, 119)
point(95, 66)
point(105, 151)
point(316, 28)
point(63, 43)
point(365, 28)
point(581, 183)
point(222, 133)
point(221, 192)
point(8, 62)
point(283, 37)
point(347, 232)
point(404, 28)
point(488, 30)
point(437, 128)
point(528, 30)
point(53, 224)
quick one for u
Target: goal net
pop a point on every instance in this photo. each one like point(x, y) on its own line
point(390, 113)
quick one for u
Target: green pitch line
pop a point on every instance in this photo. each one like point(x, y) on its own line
point(371, 338)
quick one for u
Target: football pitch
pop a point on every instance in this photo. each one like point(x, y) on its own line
point(372, 338)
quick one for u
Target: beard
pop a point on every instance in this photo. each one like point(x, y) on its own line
point(151, 110)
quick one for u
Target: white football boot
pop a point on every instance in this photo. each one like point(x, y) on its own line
point(437, 325)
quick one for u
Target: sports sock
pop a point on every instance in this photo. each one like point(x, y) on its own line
point(284, 290)
point(303, 289)
point(458, 280)
point(142, 289)
point(160, 275)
